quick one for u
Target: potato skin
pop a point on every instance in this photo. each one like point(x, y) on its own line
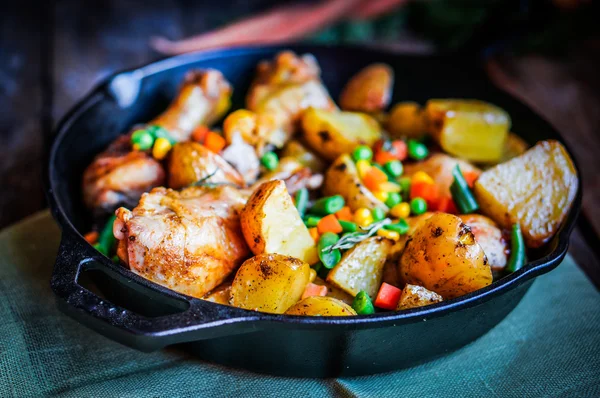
point(271, 224)
point(443, 256)
point(331, 134)
point(342, 179)
point(220, 295)
point(535, 190)
point(189, 162)
point(406, 119)
point(334, 291)
point(269, 283)
point(370, 90)
point(361, 268)
point(306, 157)
point(414, 296)
point(321, 306)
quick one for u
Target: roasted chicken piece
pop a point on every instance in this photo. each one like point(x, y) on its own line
point(119, 176)
point(188, 241)
point(490, 238)
point(282, 90)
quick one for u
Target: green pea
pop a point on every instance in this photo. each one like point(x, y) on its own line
point(378, 214)
point(142, 139)
point(418, 206)
point(362, 152)
point(394, 168)
point(362, 304)
point(405, 187)
point(270, 160)
point(159, 132)
point(393, 199)
point(417, 150)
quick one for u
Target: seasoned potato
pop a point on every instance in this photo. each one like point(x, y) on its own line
point(361, 268)
point(269, 283)
point(370, 90)
point(271, 224)
point(443, 256)
point(407, 119)
point(321, 306)
point(535, 190)
point(490, 238)
point(417, 296)
point(296, 150)
point(332, 134)
point(469, 129)
point(220, 295)
point(334, 291)
point(190, 162)
point(342, 179)
point(513, 147)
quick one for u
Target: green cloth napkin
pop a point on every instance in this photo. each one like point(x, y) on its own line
point(548, 346)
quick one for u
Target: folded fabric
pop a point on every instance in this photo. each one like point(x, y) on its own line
point(548, 346)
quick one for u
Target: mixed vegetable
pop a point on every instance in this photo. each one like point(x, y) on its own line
point(302, 208)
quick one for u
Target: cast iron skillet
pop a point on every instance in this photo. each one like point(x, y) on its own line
point(140, 314)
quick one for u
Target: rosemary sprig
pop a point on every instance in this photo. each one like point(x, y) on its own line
point(349, 240)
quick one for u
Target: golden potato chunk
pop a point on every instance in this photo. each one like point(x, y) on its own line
point(331, 134)
point(414, 296)
point(490, 238)
point(334, 291)
point(298, 151)
point(269, 283)
point(443, 256)
point(370, 90)
point(220, 295)
point(361, 268)
point(321, 306)
point(469, 129)
point(535, 190)
point(271, 224)
point(342, 179)
point(407, 119)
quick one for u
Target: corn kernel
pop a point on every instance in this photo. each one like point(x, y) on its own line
point(312, 275)
point(389, 187)
point(393, 235)
point(363, 217)
point(363, 167)
point(161, 147)
point(421, 176)
point(381, 195)
point(401, 210)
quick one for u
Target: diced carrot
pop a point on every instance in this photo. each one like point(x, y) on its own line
point(399, 149)
point(446, 204)
point(373, 178)
point(91, 237)
point(382, 157)
point(214, 142)
point(425, 190)
point(200, 133)
point(345, 214)
point(388, 297)
point(329, 223)
point(470, 177)
point(314, 290)
point(314, 233)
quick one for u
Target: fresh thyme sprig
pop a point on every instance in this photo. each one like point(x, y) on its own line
point(348, 241)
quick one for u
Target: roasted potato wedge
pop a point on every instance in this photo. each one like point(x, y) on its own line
point(331, 134)
point(469, 129)
point(361, 268)
point(342, 179)
point(370, 90)
point(271, 224)
point(414, 296)
point(269, 283)
point(321, 306)
point(296, 150)
point(535, 190)
point(220, 295)
point(443, 256)
point(334, 291)
point(407, 119)
point(490, 238)
point(190, 162)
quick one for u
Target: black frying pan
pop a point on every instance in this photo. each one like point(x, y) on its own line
point(146, 316)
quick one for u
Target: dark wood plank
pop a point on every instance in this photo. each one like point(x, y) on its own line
point(21, 113)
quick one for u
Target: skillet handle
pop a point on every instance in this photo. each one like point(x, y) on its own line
point(196, 320)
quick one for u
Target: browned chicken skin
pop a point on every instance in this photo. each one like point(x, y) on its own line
point(188, 241)
point(119, 175)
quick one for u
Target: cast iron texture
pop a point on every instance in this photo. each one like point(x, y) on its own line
point(275, 344)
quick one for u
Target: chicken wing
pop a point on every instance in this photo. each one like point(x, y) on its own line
point(188, 241)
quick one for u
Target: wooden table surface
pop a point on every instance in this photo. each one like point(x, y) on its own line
point(53, 53)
